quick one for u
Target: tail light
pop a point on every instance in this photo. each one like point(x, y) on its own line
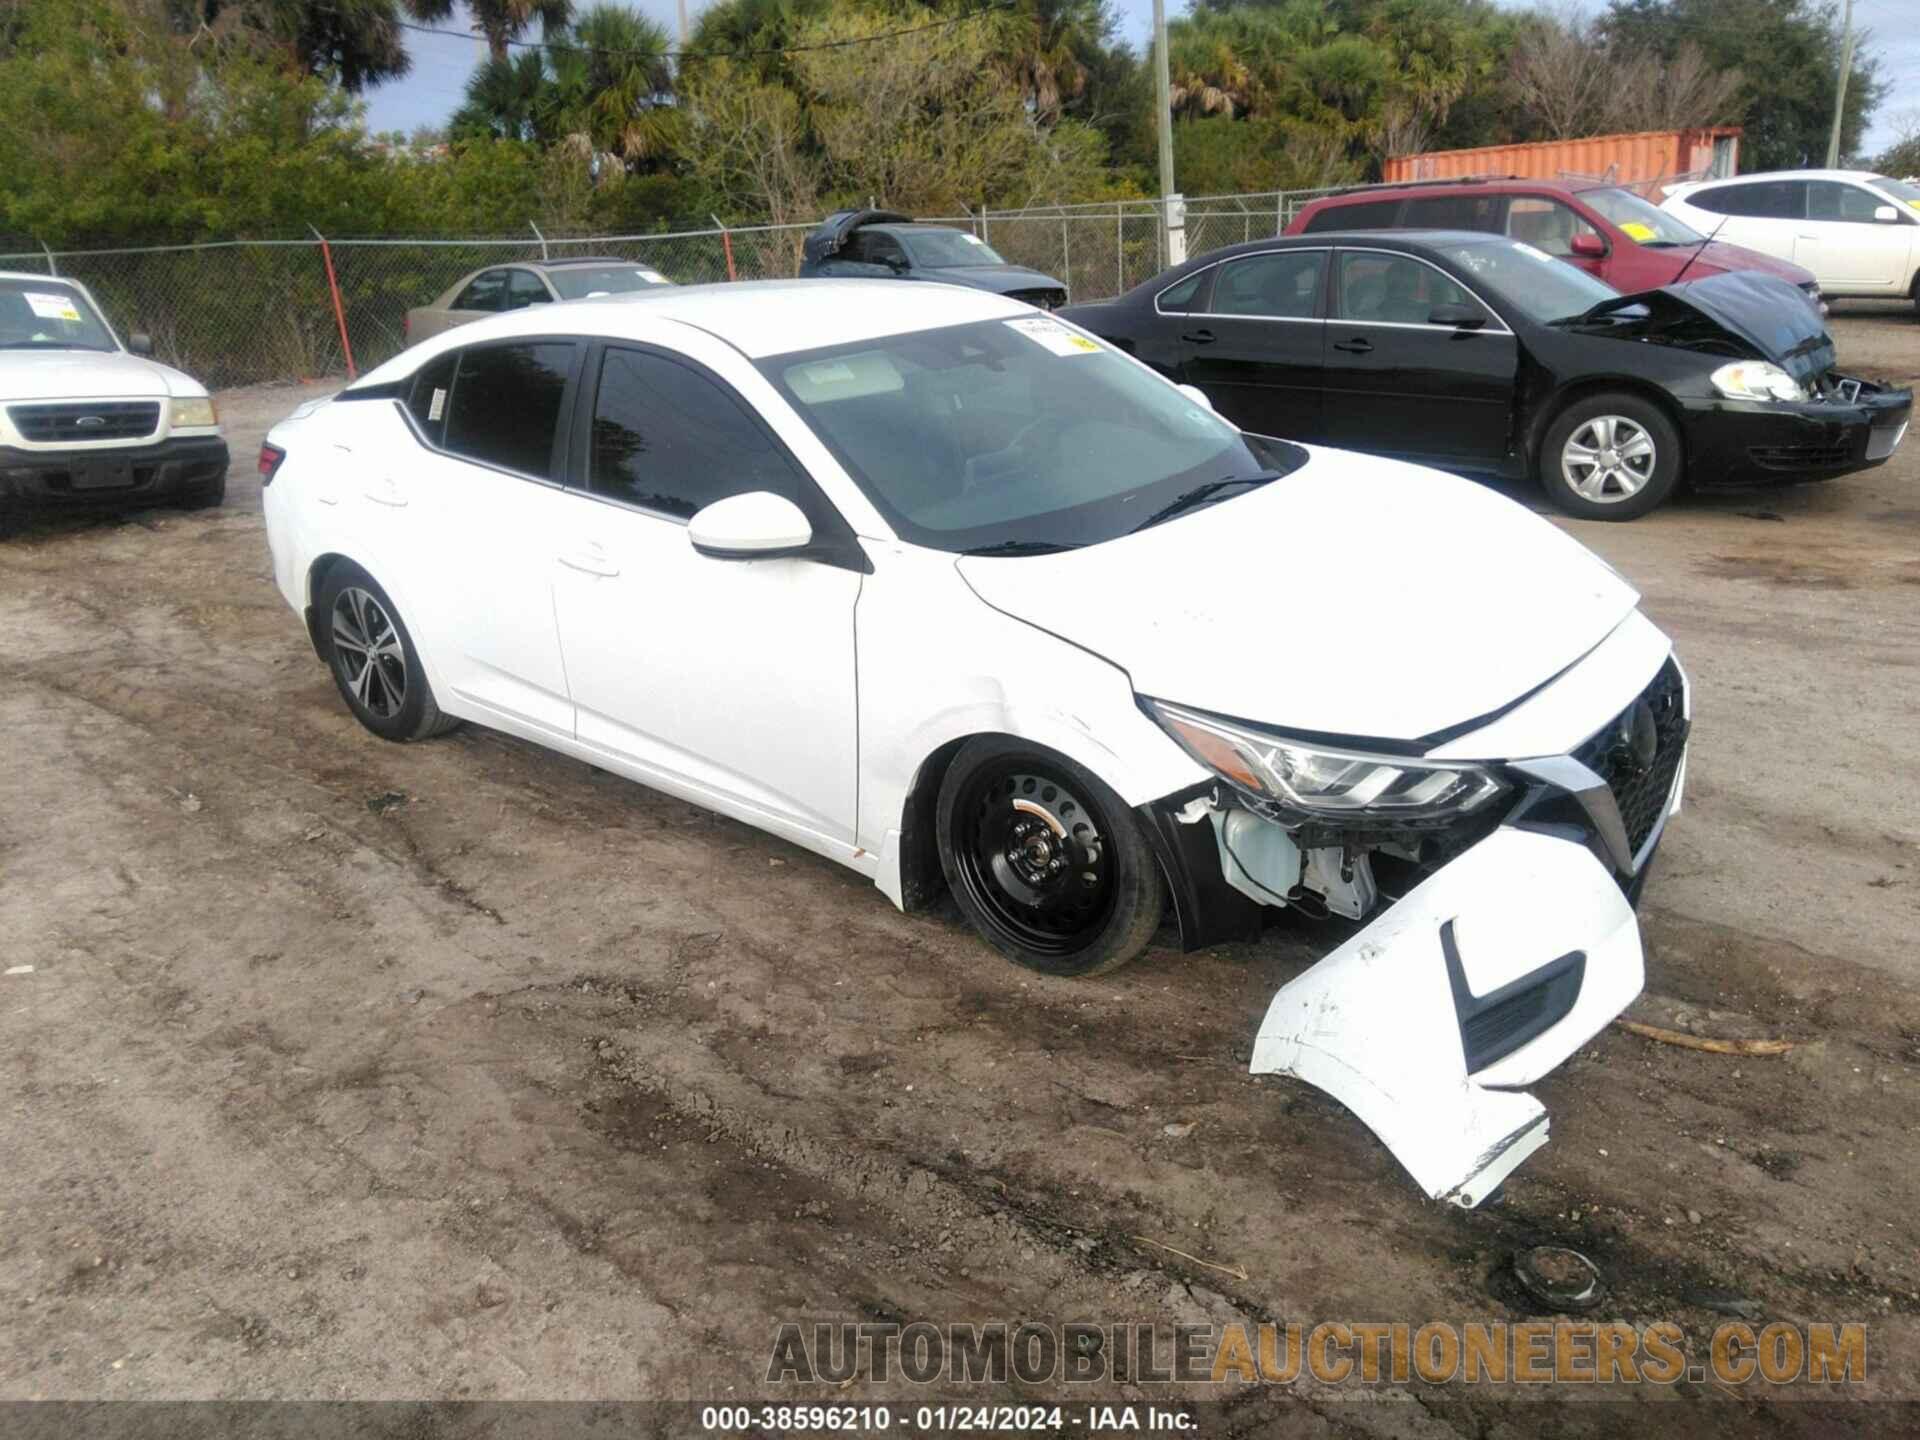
point(271, 458)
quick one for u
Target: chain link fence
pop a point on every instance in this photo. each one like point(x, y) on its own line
point(246, 312)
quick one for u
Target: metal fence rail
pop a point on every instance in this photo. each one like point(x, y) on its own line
point(245, 312)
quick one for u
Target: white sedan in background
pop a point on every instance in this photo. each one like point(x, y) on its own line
point(969, 602)
point(1859, 233)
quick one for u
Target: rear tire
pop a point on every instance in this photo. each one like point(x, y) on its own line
point(1046, 861)
point(374, 661)
point(1613, 456)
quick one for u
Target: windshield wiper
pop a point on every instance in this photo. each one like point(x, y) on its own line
point(1200, 495)
point(1020, 547)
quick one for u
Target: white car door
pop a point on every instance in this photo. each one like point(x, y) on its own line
point(1763, 215)
point(480, 496)
point(733, 678)
point(1846, 246)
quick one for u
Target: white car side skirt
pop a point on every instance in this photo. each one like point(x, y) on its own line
point(1377, 1024)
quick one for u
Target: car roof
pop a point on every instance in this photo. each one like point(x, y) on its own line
point(565, 261)
point(756, 317)
point(1785, 175)
point(1414, 239)
point(1476, 184)
point(39, 277)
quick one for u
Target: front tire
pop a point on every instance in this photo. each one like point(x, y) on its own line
point(1613, 456)
point(374, 661)
point(1045, 860)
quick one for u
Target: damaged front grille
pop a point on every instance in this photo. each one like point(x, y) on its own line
point(1638, 754)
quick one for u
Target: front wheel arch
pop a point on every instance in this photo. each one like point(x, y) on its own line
point(1557, 404)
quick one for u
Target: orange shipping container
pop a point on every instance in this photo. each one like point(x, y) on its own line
point(1641, 160)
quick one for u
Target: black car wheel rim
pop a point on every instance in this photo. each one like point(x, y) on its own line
point(1035, 856)
point(367, 648)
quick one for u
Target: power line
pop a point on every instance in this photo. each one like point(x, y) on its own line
point(559, 47)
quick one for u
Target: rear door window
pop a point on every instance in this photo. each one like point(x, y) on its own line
point(506, 405)
point(1281, 286)
point(1187, 296)
point(487, 292)
point(1361, 215)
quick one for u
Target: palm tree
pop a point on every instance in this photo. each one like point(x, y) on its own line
point(615, 83)
point(507, 99)
point(500, 22)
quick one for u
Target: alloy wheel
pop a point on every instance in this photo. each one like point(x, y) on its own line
point(1034, 855)
point(367, 648)
point(1608, 459)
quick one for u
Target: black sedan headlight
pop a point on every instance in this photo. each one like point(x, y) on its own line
point(1296, 782)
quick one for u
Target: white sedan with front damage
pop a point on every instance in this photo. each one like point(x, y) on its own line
point(969, 602)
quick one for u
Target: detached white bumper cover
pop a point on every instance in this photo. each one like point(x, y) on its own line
point(1521, 950)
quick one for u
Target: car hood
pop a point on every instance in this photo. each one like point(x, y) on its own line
point(88, 375)
point(1356, 597)
point(1763, 312)
point(1000, 279)
point(1718, 256)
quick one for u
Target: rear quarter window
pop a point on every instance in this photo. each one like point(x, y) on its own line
point(1361, 215)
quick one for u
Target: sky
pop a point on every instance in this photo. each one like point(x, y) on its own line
point(441, 63)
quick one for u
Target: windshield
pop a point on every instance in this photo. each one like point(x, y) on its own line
point(1899, 189)
point(1014, 434)
point(1648, 224)
point(1540, 287)
point(47, 315)
point(575, 282)
point(948, 249)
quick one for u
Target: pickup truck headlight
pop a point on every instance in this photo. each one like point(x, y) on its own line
point(1757, 380)
point(1316, 783)
point(196, 411)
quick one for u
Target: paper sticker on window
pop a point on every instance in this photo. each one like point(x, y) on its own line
point(53, 307)
point(848, 378)
point(1054, 336)
point(1642, 233)
point(435, 405)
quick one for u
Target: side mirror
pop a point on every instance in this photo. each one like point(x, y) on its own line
point(1886, 214)
point(140, 343)
point(758, 525)
point(1196, 394)
point(1586, 243)
point(1459, 317)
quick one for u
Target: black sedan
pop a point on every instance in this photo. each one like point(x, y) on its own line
point(1478, 353)
point(879, 244)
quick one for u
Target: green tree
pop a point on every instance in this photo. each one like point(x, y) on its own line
point(499, 22)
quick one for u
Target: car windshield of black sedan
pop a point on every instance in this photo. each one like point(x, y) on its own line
point(46, 315)
point(948, 249)
point(1646, 223)
point(1016, 434)
point(1542, 288)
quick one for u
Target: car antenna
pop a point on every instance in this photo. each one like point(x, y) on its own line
point(1697, 249)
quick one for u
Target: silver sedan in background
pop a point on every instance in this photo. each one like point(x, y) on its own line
point(500, 288)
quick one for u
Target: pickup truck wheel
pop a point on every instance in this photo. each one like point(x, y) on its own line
point(205, 497)
point(10, 518)
point(1045, 860)
point(373, 658)
point(1610, 457)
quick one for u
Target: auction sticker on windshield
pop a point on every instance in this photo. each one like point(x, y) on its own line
point(1055, 336)
point(53, 307)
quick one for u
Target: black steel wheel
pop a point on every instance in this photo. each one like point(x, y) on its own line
point(1046, 861)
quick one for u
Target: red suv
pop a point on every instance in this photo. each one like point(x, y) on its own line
point(1606, 230)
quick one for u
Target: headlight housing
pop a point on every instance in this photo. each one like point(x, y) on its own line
point(195, 411)
point(1298, 783)
point(1757, 380)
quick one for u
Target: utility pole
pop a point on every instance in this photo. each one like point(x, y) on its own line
point(683, 23)
point(1840, 89)
point(1173, 247)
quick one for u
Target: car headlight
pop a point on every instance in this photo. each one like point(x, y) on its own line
point(1293, 780)
point(195, 411)
point(1756, 380)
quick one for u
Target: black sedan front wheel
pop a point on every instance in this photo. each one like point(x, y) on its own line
point(1046, 861)
point(1610, 457)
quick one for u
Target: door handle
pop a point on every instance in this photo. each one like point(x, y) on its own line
point(1359, 345)
point(1198, 337)
point(591, 561)
point(384, 492)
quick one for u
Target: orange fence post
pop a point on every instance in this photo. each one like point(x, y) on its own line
point(339, 310)
point(726, 244)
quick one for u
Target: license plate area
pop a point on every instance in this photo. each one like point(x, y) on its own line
point(101, 475)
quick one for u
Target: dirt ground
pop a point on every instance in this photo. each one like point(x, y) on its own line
point(461, 1070)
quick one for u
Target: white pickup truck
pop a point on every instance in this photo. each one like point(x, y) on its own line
point(88, 421)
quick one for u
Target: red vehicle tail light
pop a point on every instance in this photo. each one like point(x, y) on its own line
point(271, 457)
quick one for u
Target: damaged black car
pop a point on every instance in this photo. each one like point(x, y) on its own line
point(1482, 354)
point(885, 245)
